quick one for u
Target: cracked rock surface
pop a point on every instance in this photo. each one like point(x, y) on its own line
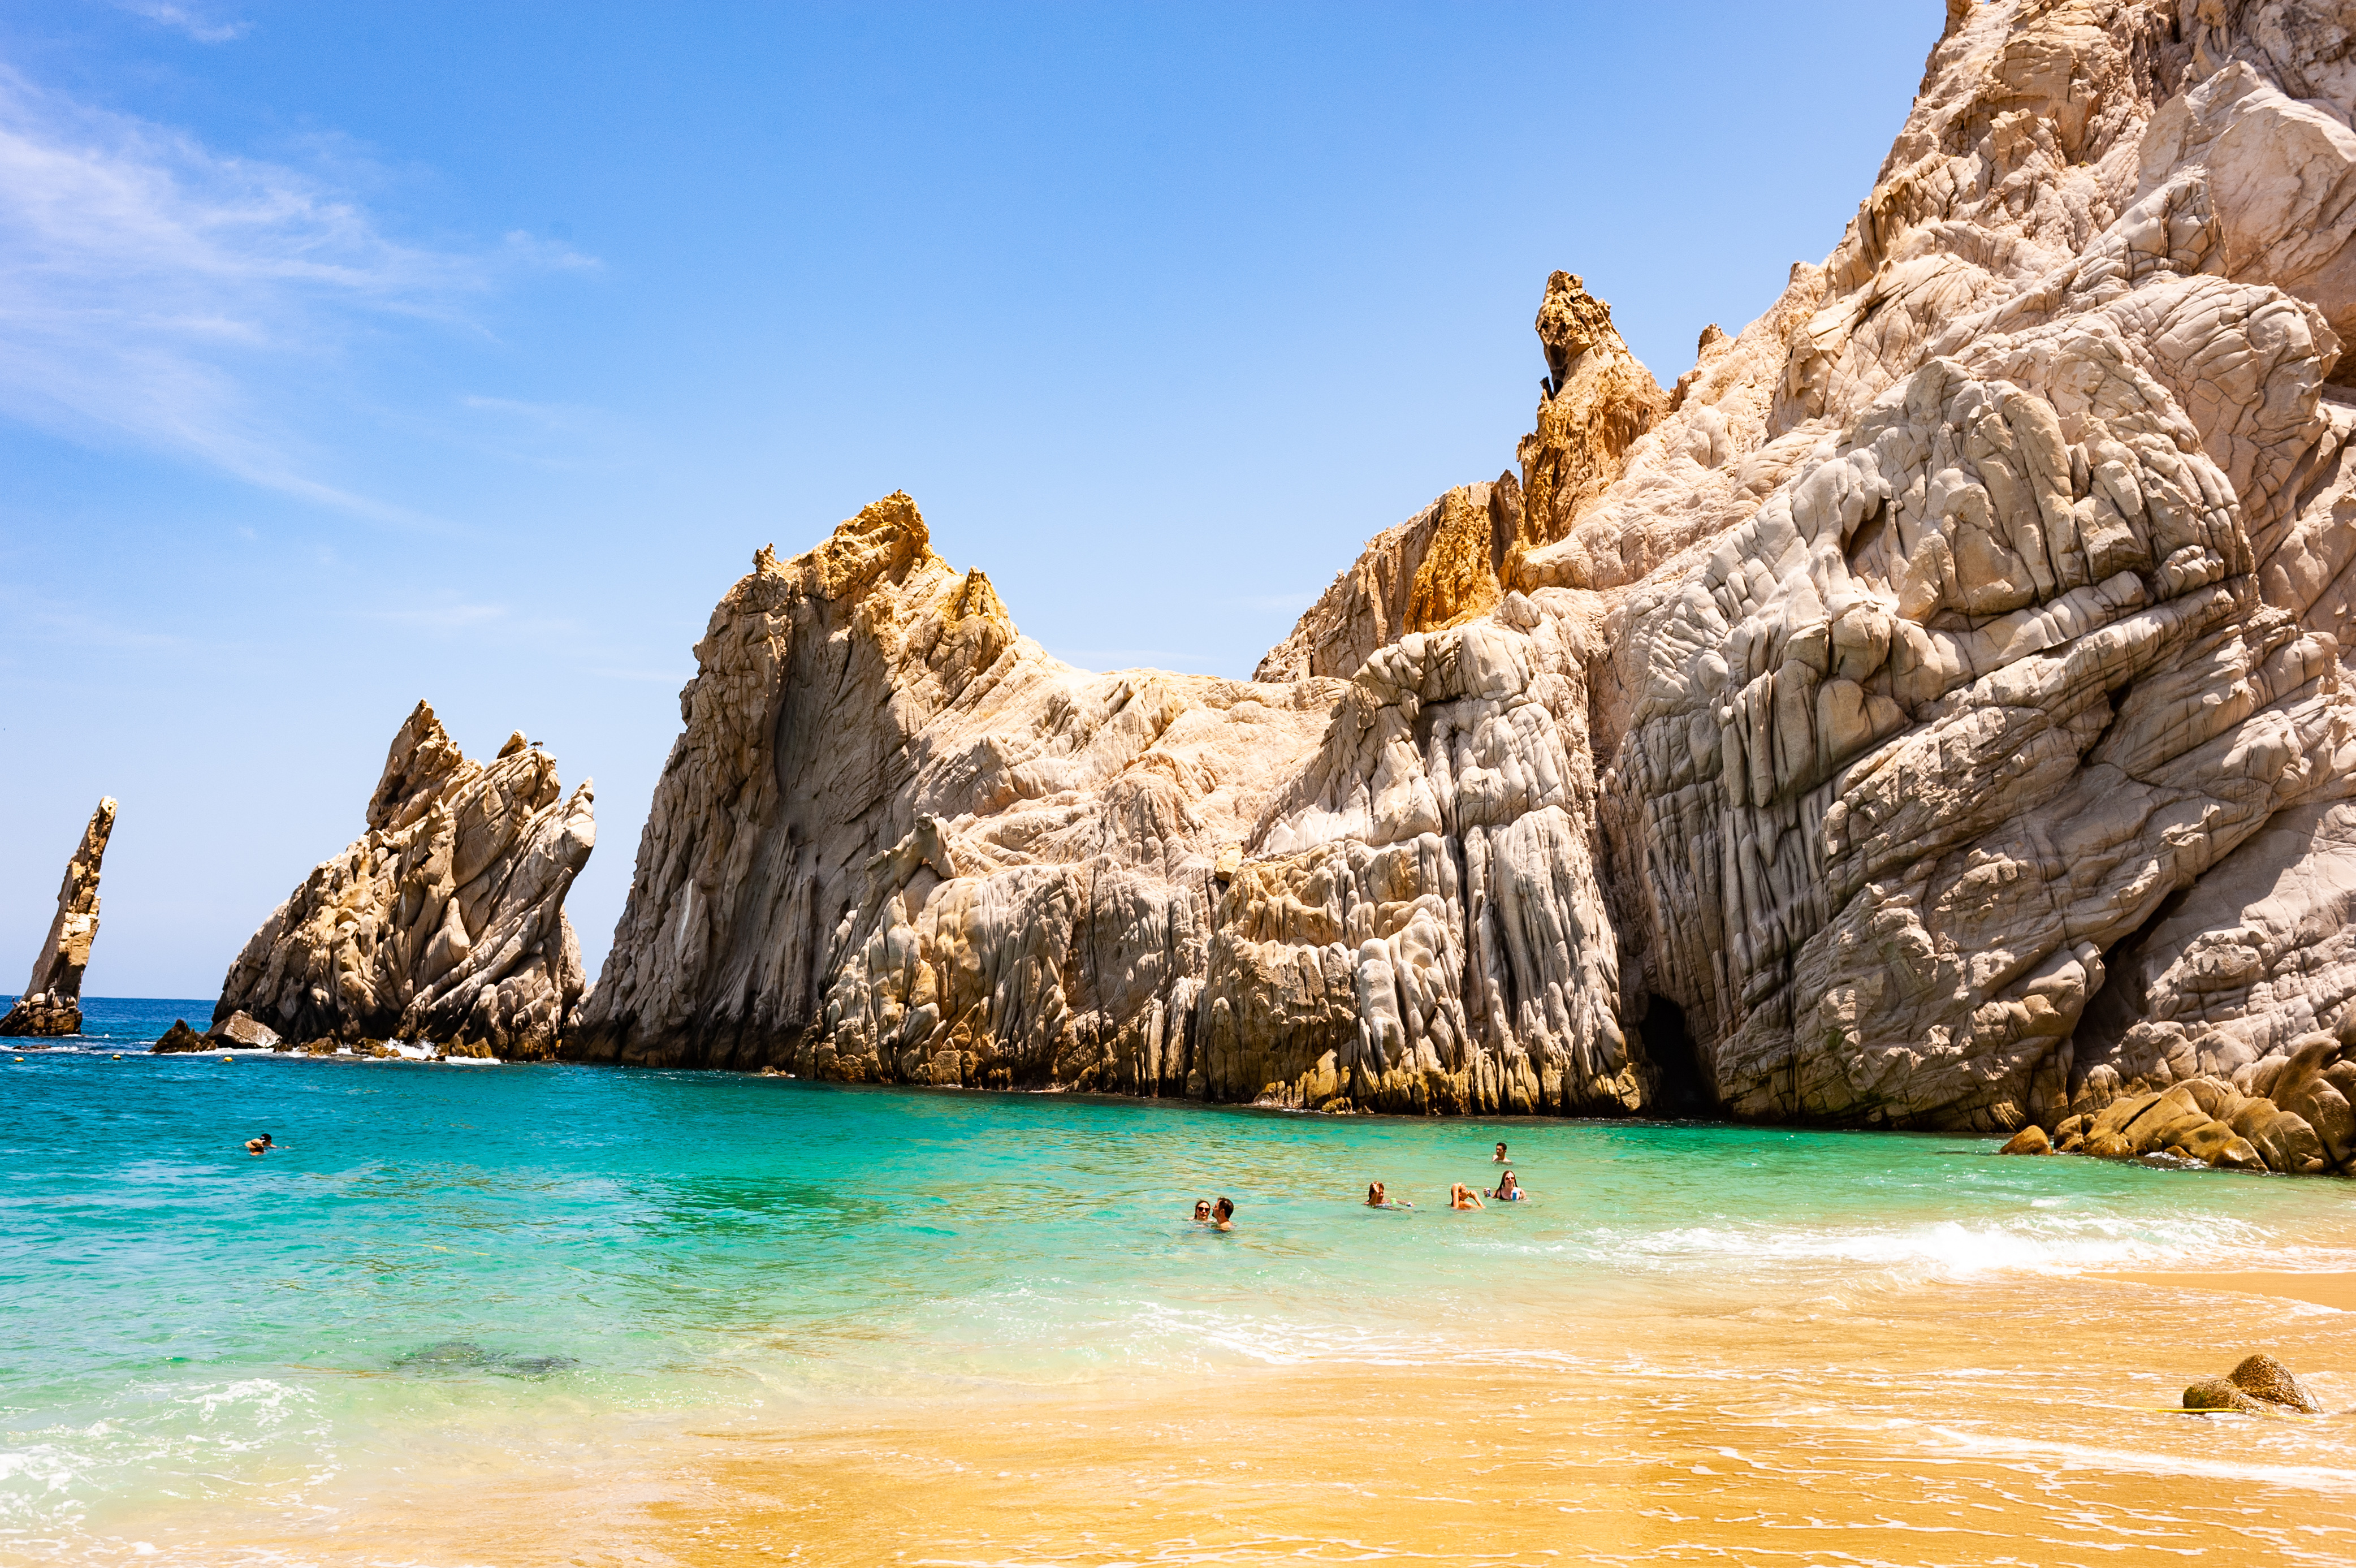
point(1930, 713)
point(444, 922)
point(52, 1003)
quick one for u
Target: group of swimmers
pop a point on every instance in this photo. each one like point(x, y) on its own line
point(1460, 1195)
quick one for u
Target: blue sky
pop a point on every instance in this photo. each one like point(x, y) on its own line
point(355, 353)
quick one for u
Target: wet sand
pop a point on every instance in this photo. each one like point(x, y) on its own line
point(2020, 1420)
point(2333, 1289)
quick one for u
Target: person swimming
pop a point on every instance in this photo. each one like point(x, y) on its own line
point(1508, 1189)
point(259, 1146)
point(1462, 1196)
point(1223, 1214)
point(1499, 1157)
point(1379, 1197)
point(1202, 1211)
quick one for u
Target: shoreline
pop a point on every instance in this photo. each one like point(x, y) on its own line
point(2331, 1288)
point(1859, 1443)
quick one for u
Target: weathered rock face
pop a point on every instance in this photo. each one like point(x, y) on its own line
point(1439, 568)
point(51, 1004)
point(1931, 713)
point(1980, 603)
point(444, 922)
point(898, 842)
point(1453, 561)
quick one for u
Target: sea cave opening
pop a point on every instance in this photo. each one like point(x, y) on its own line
point(1680, 1087)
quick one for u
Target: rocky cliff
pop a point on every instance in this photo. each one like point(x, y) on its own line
point(51, 1004)
point(1929, 712)
point(444, 922)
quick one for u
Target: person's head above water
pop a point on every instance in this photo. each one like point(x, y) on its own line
point(1223, 1210)
point(1201, 1208)
point(1373, 1194)
point(1500, 1154)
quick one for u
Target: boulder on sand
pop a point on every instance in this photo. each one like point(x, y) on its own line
point(2260, 1385)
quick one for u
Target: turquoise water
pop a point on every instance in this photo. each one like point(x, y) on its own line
point(472, 1245)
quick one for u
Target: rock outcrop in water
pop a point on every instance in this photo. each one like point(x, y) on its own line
point(1931, 713)
point(444, 922)
point(898, 842)
point(2259, 1385)
point(51, 1004)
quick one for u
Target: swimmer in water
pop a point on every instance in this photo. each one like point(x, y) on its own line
point(260, 1146)
point(1378, 1197)
point(1223, 1215)
point(1202, 1211)
point(1509, 1190)
point(1462, 1196)
point(1499, 1157)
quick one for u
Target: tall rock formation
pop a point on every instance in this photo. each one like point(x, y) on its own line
point(1931, 713)
point(898, 842)
point(51, 1004)
point(444, 922)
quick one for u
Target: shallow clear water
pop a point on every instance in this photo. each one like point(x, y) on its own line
point(488, 1249)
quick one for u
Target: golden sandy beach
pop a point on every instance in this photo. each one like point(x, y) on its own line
point(2018, 1420)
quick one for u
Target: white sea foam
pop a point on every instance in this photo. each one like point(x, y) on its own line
point(2086, 1456)
point(2041, 1242)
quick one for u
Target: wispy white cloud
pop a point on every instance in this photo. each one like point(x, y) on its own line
point(189, 19)
point(153, 289)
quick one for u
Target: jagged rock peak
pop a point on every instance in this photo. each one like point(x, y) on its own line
point(1933, 714)
point(52, 1005)
point(897, 840)
point(1438, 569)
point(1455, 560)
point(1599, 400)
point(444, 922)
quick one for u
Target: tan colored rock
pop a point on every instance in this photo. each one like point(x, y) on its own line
point(1931, 714)
point(2259, 1385)
point(1598, 399)
point(52, 1003)
point(2263, 1378)
point(444, 922)
point(1455, 559)
point(241, 1030)
point(2029, 1140)
point(897, 841)
point(2219, 1393)
point(1437, 569)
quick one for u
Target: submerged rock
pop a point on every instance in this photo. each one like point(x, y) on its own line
point(1930, 713)
point(52, 1003)
point(444, 922)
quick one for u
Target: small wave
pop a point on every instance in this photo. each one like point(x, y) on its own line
point(2086, 1456)
point(2047, 1243)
